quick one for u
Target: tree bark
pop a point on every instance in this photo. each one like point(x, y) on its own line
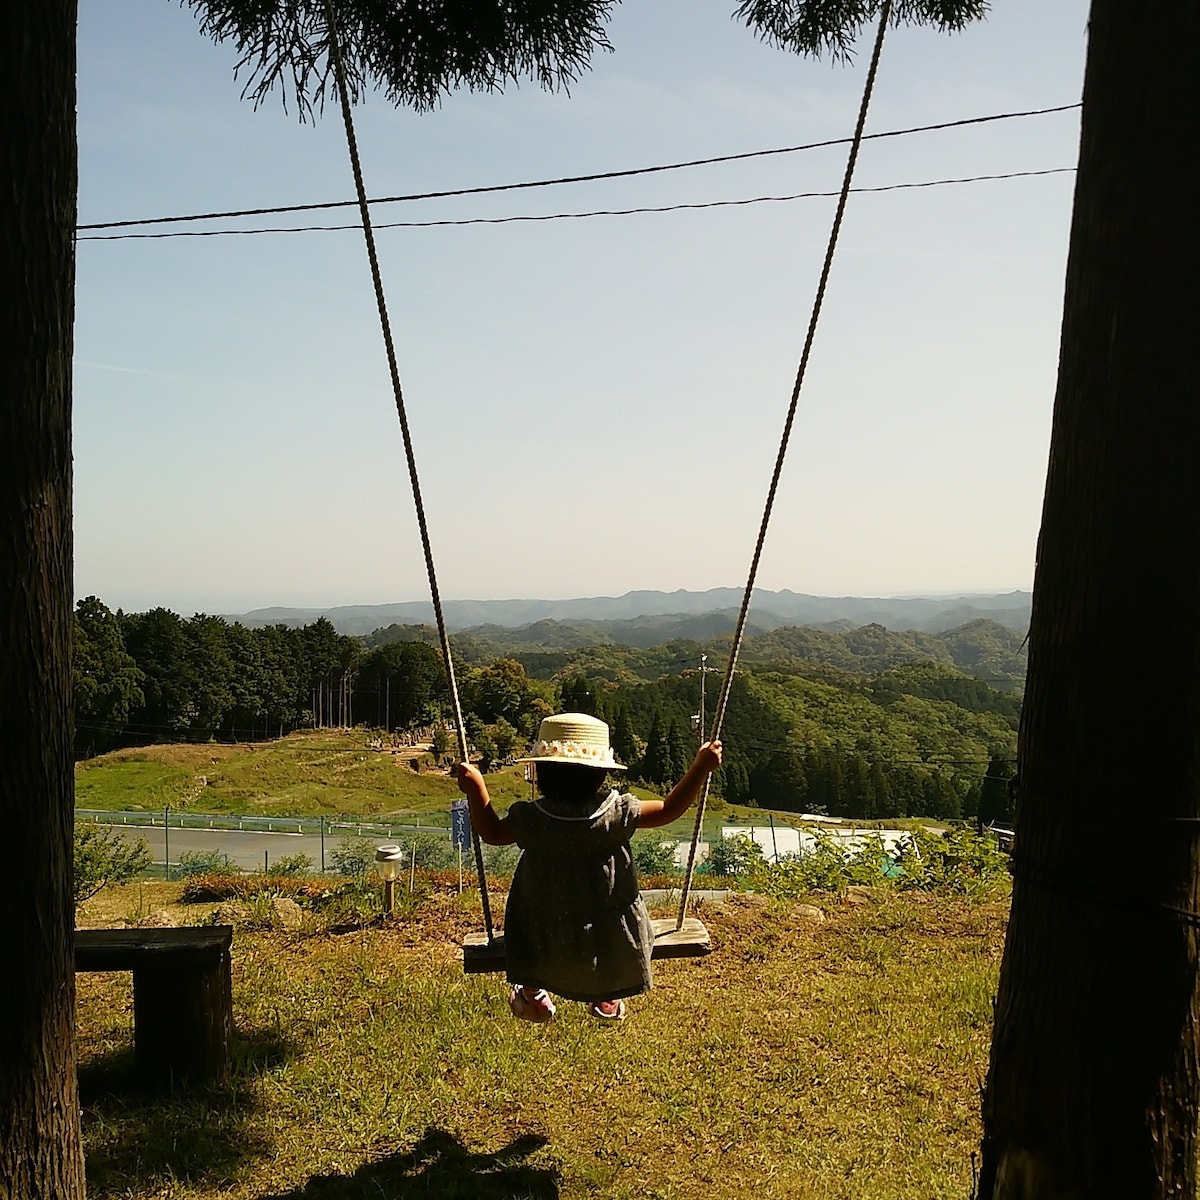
point(1093, 1085)
point(40, 1151)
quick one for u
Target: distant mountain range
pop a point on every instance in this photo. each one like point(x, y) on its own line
point(643, 615)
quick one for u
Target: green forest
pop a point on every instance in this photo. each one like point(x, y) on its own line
point(865, 723)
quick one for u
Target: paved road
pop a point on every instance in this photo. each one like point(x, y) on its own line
point(243, 847)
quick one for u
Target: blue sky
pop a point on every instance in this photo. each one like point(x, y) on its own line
point(596, 404)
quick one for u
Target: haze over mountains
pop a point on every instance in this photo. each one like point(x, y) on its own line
point(640, 615)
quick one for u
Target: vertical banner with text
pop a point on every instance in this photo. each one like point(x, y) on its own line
point(460, 824)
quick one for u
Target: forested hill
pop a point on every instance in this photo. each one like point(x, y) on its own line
point(646, 617)
point(867, 722)
point(985, 649)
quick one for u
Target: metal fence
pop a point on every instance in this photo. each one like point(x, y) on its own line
point(254, 842)
point(343, 826)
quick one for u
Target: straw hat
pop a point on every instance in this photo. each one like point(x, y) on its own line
point(574, 738)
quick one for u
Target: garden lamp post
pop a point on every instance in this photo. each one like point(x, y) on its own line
point(387, 866)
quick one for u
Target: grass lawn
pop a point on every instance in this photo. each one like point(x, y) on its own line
point(800, 1059)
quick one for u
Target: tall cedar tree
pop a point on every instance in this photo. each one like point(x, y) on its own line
point(41, 1157)
point(414, 49)
point(1093, 1087)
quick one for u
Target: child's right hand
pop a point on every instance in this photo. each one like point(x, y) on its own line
point(708, 757)
point(469, 779)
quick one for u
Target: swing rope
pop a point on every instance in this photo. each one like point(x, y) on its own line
point(335, 53)
point(739, 629)
point(418, 503)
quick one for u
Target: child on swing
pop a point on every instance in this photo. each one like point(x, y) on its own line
point(575, 923)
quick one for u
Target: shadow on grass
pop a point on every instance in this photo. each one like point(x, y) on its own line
point(439, 1165)
point(134, 1135)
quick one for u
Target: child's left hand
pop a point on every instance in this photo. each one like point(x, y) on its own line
point(709, 756)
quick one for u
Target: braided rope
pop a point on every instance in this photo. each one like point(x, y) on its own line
point(739, 630)
point(386, 328)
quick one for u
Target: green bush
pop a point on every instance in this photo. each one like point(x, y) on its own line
point(499, 860)
point(102, 856)
point(203, 862)
point(205, 889)
point(432, 851)
point(353, 857)
point(733, 857)
point(348, 909)
point(292, 864)
point(652, 856)
point(959, 861)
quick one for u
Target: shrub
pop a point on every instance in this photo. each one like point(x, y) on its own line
point(733, 857)
point(353, 903)
point(204, 889)
point(103, 856)
point(259, 912)
point(292, 864)
point(203, 862)
point(500, 860)
point(827, 866)
point(353, 857)
point(959, 861)
point(432, 851)
point(653, 857)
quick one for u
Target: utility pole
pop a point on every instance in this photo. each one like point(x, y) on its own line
point(700, 718)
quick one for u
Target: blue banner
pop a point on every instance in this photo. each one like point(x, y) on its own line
point(460, 825)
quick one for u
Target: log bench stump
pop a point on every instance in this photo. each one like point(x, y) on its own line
point(182, 997)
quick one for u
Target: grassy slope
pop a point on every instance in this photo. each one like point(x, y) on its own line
point(305, 774)
point(302, 775)
point(798, 1060)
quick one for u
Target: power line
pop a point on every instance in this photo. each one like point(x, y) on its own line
point(569, 179)
point(573, 216)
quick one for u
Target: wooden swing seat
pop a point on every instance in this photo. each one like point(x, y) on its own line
point(481, 956)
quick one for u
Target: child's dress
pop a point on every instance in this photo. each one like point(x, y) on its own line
point(575, 923)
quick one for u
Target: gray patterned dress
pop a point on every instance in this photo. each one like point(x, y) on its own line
point(575, 923)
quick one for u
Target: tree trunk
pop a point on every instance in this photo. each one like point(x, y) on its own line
point(1092, 1089)
point(40, 1151)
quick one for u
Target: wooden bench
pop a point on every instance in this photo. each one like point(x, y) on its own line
point(182, 997)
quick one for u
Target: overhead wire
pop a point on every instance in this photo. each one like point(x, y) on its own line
point(571, 216)
point(593, 177)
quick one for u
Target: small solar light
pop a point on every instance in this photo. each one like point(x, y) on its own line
point(388, 860)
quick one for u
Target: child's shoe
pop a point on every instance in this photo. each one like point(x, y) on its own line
point(608, 1010)
point(530, 1006)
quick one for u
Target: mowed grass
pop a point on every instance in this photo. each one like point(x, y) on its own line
point(324, 772)
point(304, 774)
point(799, 1059)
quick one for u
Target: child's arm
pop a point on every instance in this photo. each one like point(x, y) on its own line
point(492, 829)
point(662, 812)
